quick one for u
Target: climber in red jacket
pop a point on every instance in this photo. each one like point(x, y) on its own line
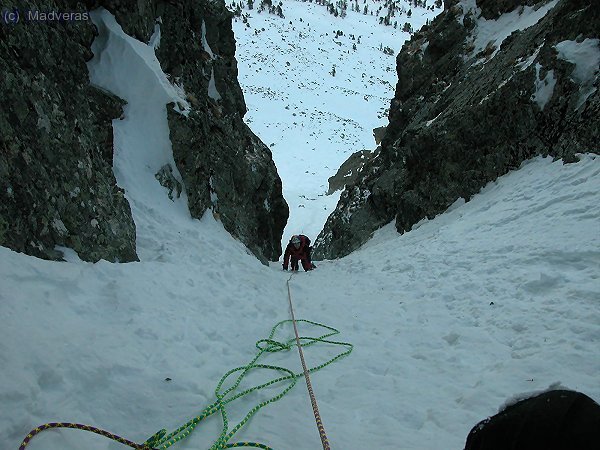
point(298, 249)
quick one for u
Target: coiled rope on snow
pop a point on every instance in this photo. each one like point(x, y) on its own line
point(163, 440)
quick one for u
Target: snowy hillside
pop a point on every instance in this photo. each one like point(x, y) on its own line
point(495, 298)
point(492, 299)
point(312, 119)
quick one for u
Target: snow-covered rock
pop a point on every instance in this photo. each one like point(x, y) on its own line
point(486, 85)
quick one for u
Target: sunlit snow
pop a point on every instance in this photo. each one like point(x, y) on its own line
point(544, 87)
point(494, 298)
point(311, 119)
point(585, 56)
point(493, 32)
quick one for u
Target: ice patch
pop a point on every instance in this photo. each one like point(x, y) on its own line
point(205, 45)
point(523, 65)
point(60, 227)
point(500, 86)
point(429, 122)
point(213, 194)
point(69, 255)
point(468, 6)
point(212, 88)
point(493, 32)
point(140, 71)
point(586, 58)
point(154, 41)
point(544, 88)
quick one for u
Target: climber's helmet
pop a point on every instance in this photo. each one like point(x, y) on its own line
point(296, 241)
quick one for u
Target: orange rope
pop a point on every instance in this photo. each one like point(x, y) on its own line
point(313, 400)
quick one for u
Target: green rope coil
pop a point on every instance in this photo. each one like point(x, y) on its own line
point(163, 440)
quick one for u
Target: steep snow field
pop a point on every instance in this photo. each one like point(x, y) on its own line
point(312, 120)
point(493, 299)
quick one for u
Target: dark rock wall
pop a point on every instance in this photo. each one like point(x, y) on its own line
point(225, 167)
point(56, 181)
point(460, 120)
point(348, 171)
point(136, 17)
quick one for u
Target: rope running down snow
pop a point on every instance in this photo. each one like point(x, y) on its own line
point(163, 440)
point(313, 400)
point(79, 426)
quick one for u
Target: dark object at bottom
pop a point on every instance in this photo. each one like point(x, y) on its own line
point(554, 420)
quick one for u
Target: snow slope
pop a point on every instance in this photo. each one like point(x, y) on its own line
point(494, 298)
point(129, 69)
point(494, 32)
point(497, 297)
point(313, 121)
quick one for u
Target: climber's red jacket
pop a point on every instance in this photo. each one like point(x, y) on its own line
point(302, 253)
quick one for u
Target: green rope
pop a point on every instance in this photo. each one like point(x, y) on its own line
point(162, 440)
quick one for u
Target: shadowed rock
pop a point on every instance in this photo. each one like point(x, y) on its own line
point(467, 112)
point(56, 181)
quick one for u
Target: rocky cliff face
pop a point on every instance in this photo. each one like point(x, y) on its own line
point(56, 182)
point(487, 85)
point(225, 167)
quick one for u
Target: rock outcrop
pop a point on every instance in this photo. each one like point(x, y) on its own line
point(224, 165)
point(485, 86)
point(348, 171)
point(57, 187)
